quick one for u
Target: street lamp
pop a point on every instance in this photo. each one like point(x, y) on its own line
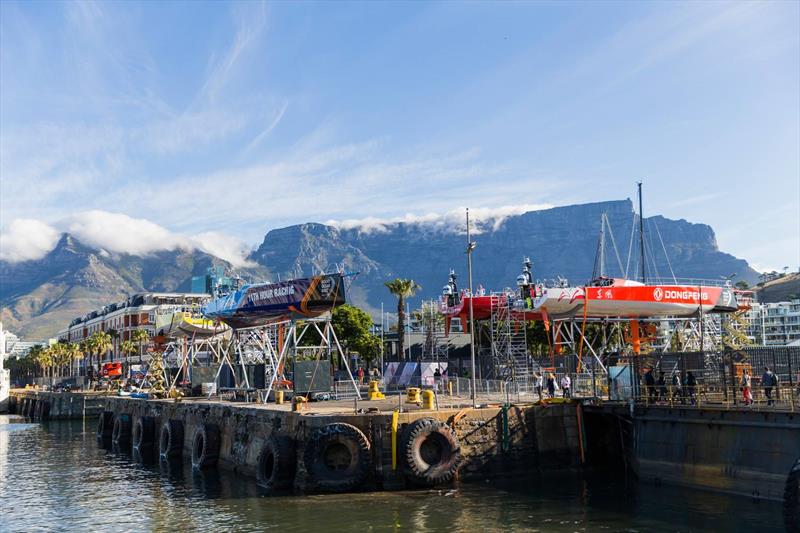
point(470, 247)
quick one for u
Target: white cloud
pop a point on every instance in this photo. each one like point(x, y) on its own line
point(27, 239)
point(231, 249)
point(117, 232)
point(483, 219)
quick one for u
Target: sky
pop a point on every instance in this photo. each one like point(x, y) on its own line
point(144, 126)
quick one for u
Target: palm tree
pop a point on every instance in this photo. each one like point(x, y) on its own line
point(44, 358)
point(140, 336)
point(101, 343)
point(73, 352)
point(128, 347)
point(402, 288)
point(86, 348)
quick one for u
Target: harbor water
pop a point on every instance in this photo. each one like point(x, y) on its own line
point(55, 477)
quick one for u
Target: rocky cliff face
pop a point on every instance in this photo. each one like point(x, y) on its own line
point(561, 242)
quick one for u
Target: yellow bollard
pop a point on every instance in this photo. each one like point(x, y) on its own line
point(428, 399)
point(450, 388)
point(299, 403)
point(374, 393)
point(279, 397)
point(412, 395)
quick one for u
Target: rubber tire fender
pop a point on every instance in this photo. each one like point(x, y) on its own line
point(277, 463)
point(423, 440)
point(32, 409)
point(334, 478)
point(170, 439)
point(121, 434)
point(144, 433)
point(105, 425)
point(791, 499)
point(44, 411)
point(205, 446)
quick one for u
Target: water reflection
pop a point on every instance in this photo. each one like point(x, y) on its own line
point(59, 470)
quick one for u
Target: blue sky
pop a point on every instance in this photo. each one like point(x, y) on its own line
point(153, 124)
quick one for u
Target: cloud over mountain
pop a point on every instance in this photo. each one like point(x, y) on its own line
point(31, 239)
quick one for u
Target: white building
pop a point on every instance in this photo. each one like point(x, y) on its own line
point(123, 318)
point(774, 324)
point(14, 347)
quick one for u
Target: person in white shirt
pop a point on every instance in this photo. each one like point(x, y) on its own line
point(565, 386)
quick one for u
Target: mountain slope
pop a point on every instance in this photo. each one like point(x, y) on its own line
point(40, 297)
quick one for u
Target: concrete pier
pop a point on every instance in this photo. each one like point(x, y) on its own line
point(738, 451)
point(40, 405)
point(491, 441)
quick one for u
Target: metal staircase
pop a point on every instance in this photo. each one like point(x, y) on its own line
point(509, 343)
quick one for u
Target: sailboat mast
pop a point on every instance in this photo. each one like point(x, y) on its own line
point(641, 231)
point(602, 243)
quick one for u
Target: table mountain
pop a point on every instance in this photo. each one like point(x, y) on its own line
point(561, 241)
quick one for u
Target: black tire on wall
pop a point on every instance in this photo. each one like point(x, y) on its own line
point(205, 446)
point(170, 439)
point(144, 433)
point(105, 425)
point(121, 433)
point(277, 463)
point(337, 458)
point(431, 452)
point(32, 408)
point(791, 499)
point(12, 405)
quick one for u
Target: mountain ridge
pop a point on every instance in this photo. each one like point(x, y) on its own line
point(39, 297)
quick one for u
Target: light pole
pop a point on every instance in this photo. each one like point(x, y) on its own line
point(470, 247)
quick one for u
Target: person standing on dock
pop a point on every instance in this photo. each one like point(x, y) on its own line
point(361, 375)
point(691, 386)
point(768, 381)
point(566, 384)
point(551, 385)
point(662, 387)
point(747, 391)
point(650, 385)
point(538, 383)
point(676, 386)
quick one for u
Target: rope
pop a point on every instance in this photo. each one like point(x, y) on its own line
point(669, 263)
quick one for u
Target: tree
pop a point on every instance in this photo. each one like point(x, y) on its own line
point(402, 288)
point(140, 336)
point(368, 347)
point(71, 352)
point(101, 343)
point(742, 284)
point(350, 322)
point(353, 329)
point(24, 366)
point(128, 348)
point(85, 347)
